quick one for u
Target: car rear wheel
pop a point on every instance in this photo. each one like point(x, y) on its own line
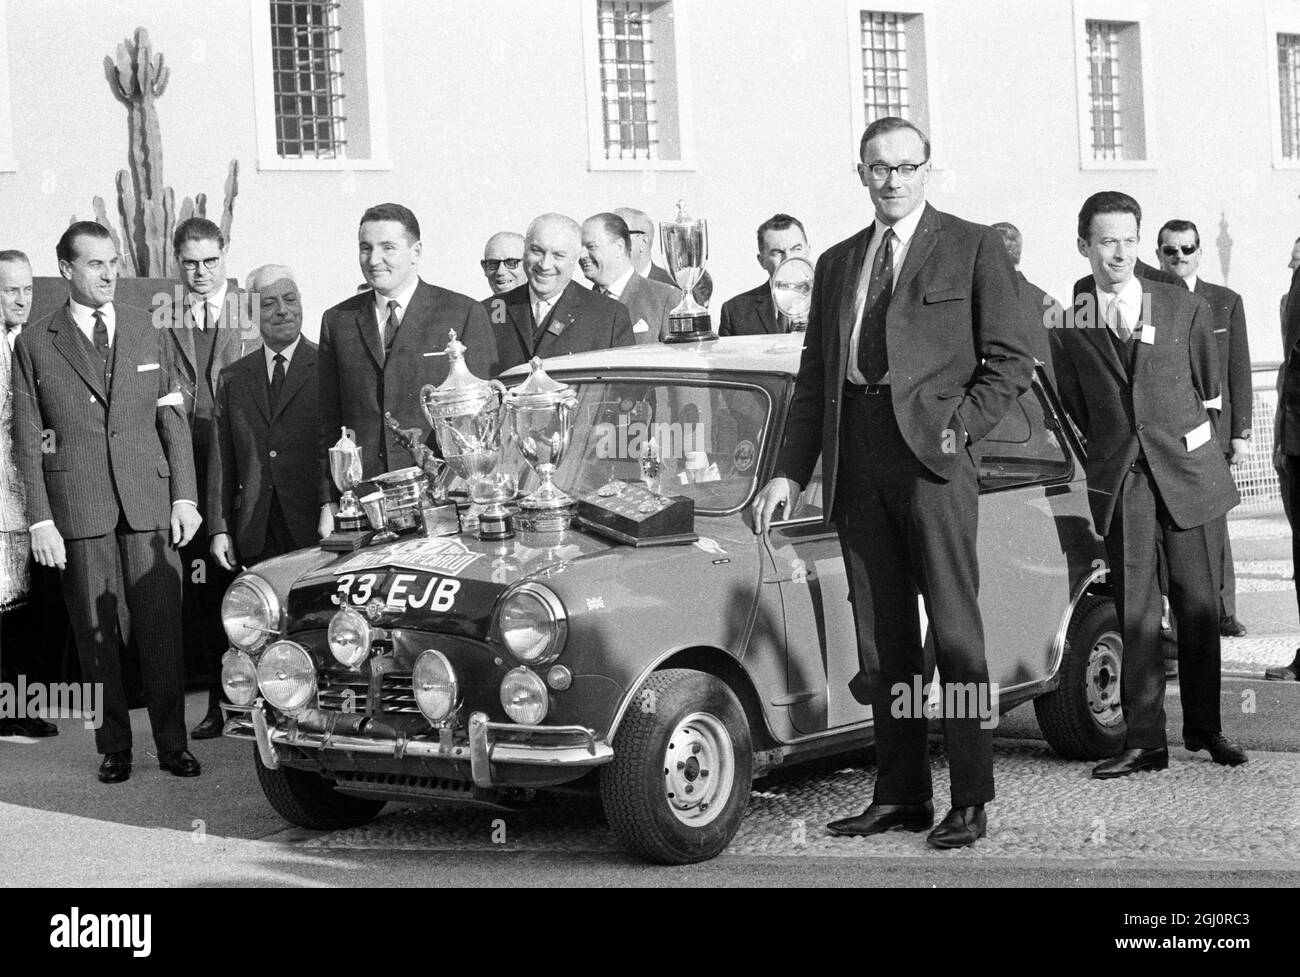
point(1083, 719)
point(308, 800)
point(679, 782)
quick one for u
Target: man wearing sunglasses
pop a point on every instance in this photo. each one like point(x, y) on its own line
point(503, 262)
point(1179, 251)
point(209, 333)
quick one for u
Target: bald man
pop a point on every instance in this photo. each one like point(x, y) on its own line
point(551, 314)
point(262, 500)
point(502, 263)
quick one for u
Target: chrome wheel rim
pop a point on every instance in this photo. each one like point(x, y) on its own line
point(699, 769)
point(1102, 679)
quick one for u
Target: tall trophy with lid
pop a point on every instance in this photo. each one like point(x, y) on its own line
point(685, 241)
point(345, 470)
point(466, 416)
point(541, 412)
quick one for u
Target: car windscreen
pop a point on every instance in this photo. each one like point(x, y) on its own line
point(697, 439)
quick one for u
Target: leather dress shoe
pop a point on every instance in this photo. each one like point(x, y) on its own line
point(960, 827)
point(31, 726)
point(115, 768)
point(1230, 627)
point(179, 763)
point(1132, 761)
point(886, 817)
point(209, 727)
point(1222, 750)
point(1285, 673)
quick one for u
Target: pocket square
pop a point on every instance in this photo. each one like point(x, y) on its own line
point(1197, 436)
point(173, 399)
point(640, 326)
point(146, 367)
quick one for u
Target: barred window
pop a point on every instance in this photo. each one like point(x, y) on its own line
point(308, 80)
point(1114, 91)
point(627, 78)
point(1288, 77)
point(884, 65)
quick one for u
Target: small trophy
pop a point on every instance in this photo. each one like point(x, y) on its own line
point(466, 416)
point(792, 283)
point(350, 521)
point(686, 248)
point(373, 507)
point(437, 514)
point(541, 413)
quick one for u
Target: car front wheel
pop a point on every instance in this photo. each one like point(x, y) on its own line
point(679, 782)
point(307, 800)
point(1083, 718)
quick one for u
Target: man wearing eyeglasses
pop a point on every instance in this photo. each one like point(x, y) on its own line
point(208, 336)
point(502, 264)
point(1139, 373)
point(917, 346)
point(1179, 251)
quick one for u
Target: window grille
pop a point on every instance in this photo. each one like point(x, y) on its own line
point(1104, 89)
point(308, 83)
point(627, 78)
point(884, 65)
point(1288, 77)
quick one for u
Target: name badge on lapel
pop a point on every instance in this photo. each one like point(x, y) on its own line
point(557, 326)
point(1148, 334)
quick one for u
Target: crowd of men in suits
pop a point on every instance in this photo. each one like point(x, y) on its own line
point(144, 450)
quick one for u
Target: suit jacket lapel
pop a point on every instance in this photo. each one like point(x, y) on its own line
point(420, 307)
point(919, 248)
point(301, 368)
point(766, 311)
point(69, 341)
point(126, 352)
point(559, 312)
point(1144, 349)
point(850, 269)
point(1098, 333)
point(521, 317)
point(256, 378)
point(369, 331)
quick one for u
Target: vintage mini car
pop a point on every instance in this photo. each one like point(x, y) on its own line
point(666, 677)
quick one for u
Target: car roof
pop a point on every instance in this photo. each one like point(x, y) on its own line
point(744, 354)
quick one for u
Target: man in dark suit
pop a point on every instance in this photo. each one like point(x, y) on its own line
point(208, 330)
point(1139, 372)
point(644, 234)
point(1286, 443)
point(1043, 311)
point(553, 315)
point(753, 313)
point(502, 264)
point(380, 346)
point(916, 348)
point(266, 438)
point(607, 263)
point(102, 442)
point(1179, 251)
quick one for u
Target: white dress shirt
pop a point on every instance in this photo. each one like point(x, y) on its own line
point(216, 303)
point(287, 353)
point(83, 316)
point(11, 335)
point(542, 307)
point(403, 300)
point(615, 289)
point(1128, 301)
point(904, 231)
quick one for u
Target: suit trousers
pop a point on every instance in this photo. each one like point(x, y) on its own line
point(1290, 479)
point(203, 589)
point(142, 570)
point(904, 531)
point(1139, 528)
point(1227, 579)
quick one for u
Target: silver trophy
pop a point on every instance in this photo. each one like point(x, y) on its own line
point(345, 470)
point(466, 416)
point(792, 284)
point(541, 413)
point(685, 241)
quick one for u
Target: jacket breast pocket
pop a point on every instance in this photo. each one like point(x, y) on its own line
point(164, 469)
point(956, 293)
point(57, 461)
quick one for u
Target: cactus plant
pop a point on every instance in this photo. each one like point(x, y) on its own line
point(146, 206)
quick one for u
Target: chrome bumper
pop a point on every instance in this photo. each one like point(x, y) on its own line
point(486, 745)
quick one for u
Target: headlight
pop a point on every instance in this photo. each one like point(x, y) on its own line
point(349, 637)
point(532, 624)
point(239, 678)
point(287, 676)
point(433, 680)
point(523, 695)
point(250, 612)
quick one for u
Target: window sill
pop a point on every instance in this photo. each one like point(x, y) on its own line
point(639, 165)
point(8, 164)
point(1117, 164)
point(1279, 163)
point(323, 165)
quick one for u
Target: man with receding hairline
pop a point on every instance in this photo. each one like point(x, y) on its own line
point(503, 257)
point(644, 233)
point(552, 314)
point(753, 313)
point(607, 263)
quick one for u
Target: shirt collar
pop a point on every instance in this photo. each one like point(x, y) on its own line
point(534, 298)
point(617, 287)
point(84, 316)
point(904, 227)
point(11, 333)
point(402, 298)
point(1129, 298)
point(287, 353)
point(1190, 281)
point(217, 301)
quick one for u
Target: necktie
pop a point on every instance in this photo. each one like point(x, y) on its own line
point(207, 317)
point(277, 380)
point(539, 318)
point(390, 326)
point(873, 355)
point(1120, 322)
point(100, 338)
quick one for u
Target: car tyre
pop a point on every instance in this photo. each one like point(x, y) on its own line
point(308, 800)
point(678, 785)
point(1082, 718)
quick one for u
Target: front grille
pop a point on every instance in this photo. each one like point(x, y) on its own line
point(350, 692)
point(396, 693)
